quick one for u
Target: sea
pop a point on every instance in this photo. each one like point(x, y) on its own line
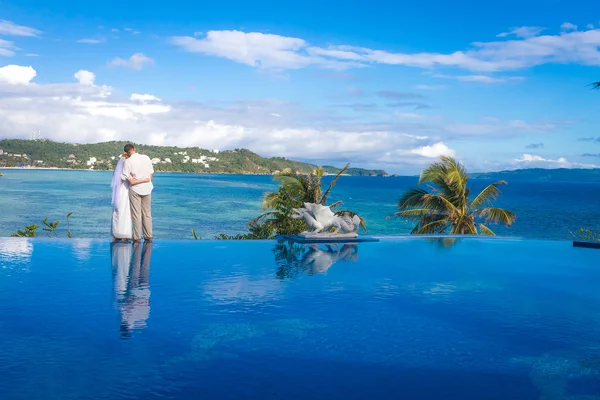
point(213, 204)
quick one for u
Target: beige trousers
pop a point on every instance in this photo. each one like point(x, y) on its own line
point(141, 215)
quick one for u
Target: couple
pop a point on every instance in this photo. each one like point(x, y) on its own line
point(131, 197)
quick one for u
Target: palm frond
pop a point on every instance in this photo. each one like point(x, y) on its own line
point(413, 213)
point(336, 204)
point(595, 85)
point(485, 230)
point(440, 203)
point(412, 198)
point(270, 200)
point(323, 199)
point(431, 225)
point(498, 215)
point(490, 193)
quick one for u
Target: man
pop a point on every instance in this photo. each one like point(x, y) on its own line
point(138, 172)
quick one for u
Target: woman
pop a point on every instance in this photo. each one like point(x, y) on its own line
point(121, 216)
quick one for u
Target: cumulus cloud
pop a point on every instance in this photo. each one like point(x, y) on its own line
point(597, 155)
point(85, 77)
point(84, 111)
point(136, 61)
point(143, 98)
point(434, 150)
point(11, 29)
point(533, 161)
point(567, 26)
point(280, 52)
point(16, 74)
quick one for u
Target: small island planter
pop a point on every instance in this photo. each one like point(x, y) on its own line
point(588, 245)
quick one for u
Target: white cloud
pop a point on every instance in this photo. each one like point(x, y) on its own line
point(86, 112)
point(271, 51)
point(533, 161)
point(567, 26)
point(434, 150)
point(92, 41)
point(143, 98)
point(31, 55)
point(85, 77)
point(430, 87)
point(7, 48)
point(523, 32)
point(590, 26)
point(481, 78)
point(136, 61)
point(12, 29)
point(16, 74)
point(254, 48)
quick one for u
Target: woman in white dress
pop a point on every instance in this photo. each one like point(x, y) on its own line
point(121, 216)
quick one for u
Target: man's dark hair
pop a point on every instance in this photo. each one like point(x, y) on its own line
point(128, 147)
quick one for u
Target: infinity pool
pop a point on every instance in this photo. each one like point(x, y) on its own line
point(398, 319)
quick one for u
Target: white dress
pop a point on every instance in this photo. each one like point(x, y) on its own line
point(121, 215)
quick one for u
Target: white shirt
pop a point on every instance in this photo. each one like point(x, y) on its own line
point(140, 167)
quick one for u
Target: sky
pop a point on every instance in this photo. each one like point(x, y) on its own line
point(393, 85)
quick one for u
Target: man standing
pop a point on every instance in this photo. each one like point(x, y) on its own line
point(138, 172)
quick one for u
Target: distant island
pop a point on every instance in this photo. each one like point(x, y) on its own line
point(541, 174)
point(104, 156)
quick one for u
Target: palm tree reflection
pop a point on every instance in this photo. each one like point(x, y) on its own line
point(131, 284)
point(293, 258)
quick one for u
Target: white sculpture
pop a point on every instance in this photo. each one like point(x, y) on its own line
point(320, 220)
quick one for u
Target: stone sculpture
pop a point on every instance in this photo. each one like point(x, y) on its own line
point(322, 222)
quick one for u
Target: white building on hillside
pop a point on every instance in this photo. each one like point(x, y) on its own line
point(168, 160)
point(155, 160)
point(91, 161)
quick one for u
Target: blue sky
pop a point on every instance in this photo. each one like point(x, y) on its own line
point(500, 86)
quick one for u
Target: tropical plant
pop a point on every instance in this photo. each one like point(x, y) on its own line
point(49, 227)
point(444, 206)
point(257, 231)
point(595, 85)
point(28, 231)
point(295, 190)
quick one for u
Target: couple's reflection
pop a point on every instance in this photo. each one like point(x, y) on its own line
point(131, 270)
point(293, 258)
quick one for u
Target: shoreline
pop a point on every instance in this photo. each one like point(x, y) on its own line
point(170, 172)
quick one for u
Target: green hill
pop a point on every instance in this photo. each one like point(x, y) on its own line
point(104, 156)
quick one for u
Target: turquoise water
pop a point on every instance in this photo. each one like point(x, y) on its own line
point(224, 204)
point(409, 318)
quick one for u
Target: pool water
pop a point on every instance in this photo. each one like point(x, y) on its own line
point(404, 318)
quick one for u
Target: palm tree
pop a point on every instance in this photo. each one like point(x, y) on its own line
point(293, 192)
point(595, 85)
point(446, 205)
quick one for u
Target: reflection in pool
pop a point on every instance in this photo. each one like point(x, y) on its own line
point(465, 319)
point(311, 259)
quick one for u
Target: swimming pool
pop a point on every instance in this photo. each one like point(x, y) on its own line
point(411, 318)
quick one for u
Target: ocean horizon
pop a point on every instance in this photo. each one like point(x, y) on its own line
point(213, 204)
